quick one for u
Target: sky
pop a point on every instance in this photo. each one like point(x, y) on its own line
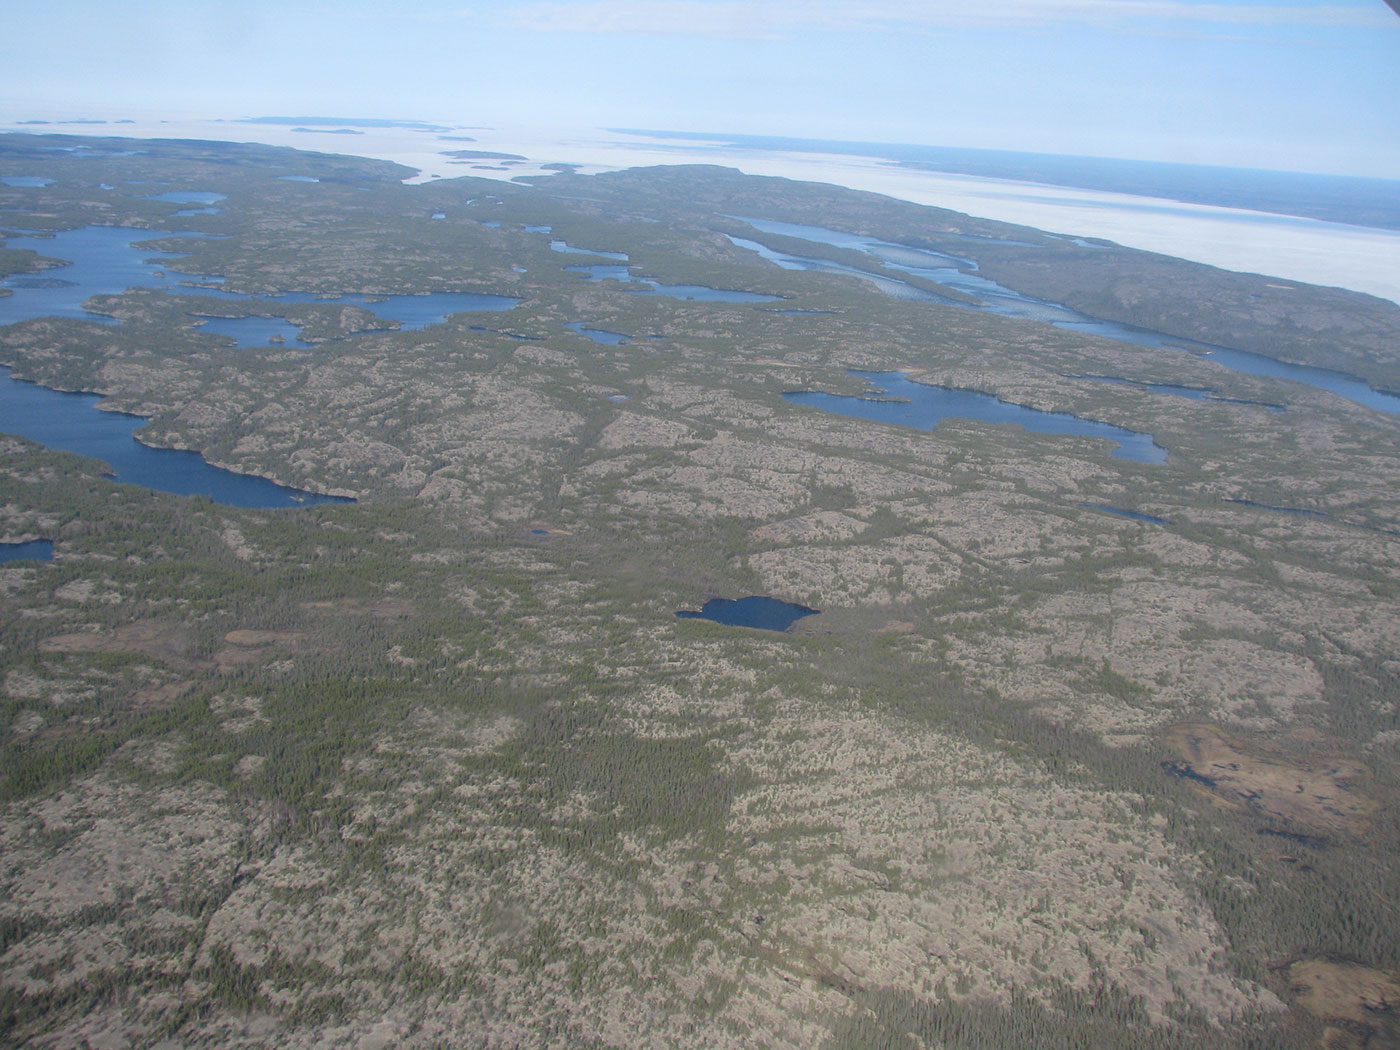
point(1300, 85)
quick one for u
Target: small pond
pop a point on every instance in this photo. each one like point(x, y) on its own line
point(922, 406)
point(763, 613)
point(32, 550)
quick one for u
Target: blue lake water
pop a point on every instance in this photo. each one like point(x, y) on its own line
point(956, 272)
point(298, 178)
point(697, 292)
point(254, 331)
point(923, 407)
point(33, 550)
point(767, 614)
point(72, 423)
point(598, 335)
point(1124, 513)
point(105, 260)
point(31, 181)
point(412, 312)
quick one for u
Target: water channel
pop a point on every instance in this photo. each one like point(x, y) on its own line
point(923, 407)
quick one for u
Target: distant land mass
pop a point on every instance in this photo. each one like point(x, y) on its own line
point(1332, 198)
point(347, 122)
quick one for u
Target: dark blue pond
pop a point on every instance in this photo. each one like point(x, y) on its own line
point(254, 331)
point(766, 614)
point(598, 335)
point(956, 272)
point(923, 407)
point(33, 550)
point(1124, 513)
point(697, 292)
point(72, 423)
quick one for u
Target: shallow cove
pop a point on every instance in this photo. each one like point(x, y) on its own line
point(756, 611)
point(923, 407)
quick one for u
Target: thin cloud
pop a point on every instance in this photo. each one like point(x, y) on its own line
point(774, 18)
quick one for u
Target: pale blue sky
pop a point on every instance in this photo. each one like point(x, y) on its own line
point(1306, 85)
